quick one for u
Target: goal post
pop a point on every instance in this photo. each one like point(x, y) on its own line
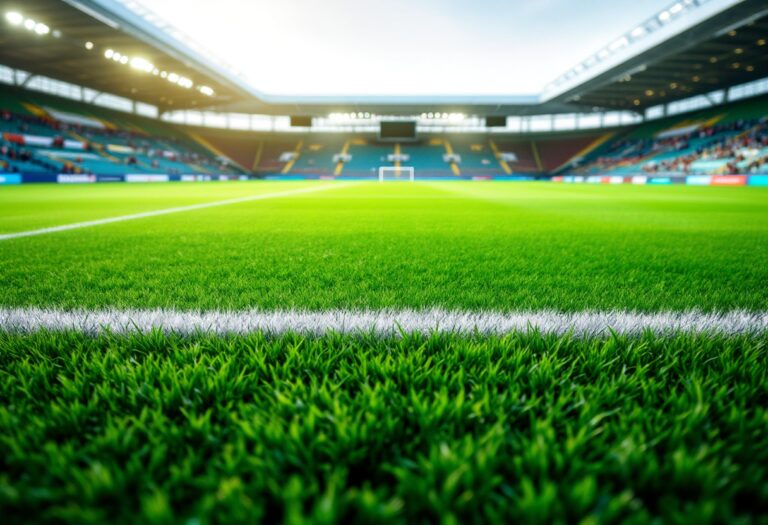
point(396, 173)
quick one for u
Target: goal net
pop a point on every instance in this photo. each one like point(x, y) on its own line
point(396, 173)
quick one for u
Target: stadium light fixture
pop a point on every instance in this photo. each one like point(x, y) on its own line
point(664, 16)
point(14, 18)
point(207, 91)
point(89, 45)
point(42, 29)
point(123, 59)
point(676, 8)
point(618, 44)
point(29, 24)
point(173, 77)
point(109, 53)
point(142, 64)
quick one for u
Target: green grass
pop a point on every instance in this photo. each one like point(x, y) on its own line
point(456, 245)
point(524, 428)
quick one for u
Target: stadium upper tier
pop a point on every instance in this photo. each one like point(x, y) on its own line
point(47, 138)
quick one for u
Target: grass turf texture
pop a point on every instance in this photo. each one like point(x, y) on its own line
point(524, 428)
point(453, 245)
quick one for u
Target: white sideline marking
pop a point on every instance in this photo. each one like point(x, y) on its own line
point(166, 211)
point(383, 322)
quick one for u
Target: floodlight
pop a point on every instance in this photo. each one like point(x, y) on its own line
point(124, 59)
point(664, 16)
point(89, 45)
point(173, 77)
point(619, 43)
point(142, 64)
point(42, 29)
point(117, 56)
point(29, 24)
point(163, 74)
point(108, 53)
point(207, 91)
point(14, 18)
point(185, 82)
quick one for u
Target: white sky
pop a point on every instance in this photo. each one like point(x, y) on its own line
point(403, 47)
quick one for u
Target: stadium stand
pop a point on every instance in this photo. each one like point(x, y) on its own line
point(46, 136)
point(724, 140)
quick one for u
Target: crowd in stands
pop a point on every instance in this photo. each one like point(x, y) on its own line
point(740, 144)
point(137, 146)
point(9, 154)
point(735, 143)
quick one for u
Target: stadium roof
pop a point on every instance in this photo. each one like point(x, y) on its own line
point(703, 45)
point(106, 25)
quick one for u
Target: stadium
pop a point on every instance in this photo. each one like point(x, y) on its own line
point(384, 262)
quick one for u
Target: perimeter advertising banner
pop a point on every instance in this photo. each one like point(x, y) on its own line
point(729, 180)
point(10, 178)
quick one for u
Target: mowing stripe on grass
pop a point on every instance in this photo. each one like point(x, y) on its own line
point(383, 322)
point(166, 211)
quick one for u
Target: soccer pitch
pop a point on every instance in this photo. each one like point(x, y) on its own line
point(469, 246)
point(213, 423)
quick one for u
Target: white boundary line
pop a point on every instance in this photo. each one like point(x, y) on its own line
point(166, 211)
point(382, 322)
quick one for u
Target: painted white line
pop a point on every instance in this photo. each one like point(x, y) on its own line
point(166, 211)
point(383, 322)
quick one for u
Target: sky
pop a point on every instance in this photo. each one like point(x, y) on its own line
point(403, 47)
